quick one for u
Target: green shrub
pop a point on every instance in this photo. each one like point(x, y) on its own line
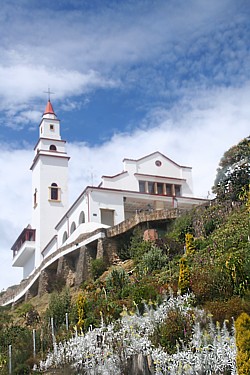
point(5, 317)
point(22, 369)
point(242, 326)
point(20, 338)
point(59, 305)
point(137, 252)
point(24, 309)
point(29, 313)
point(238, 267)
point(153, 260)
point(209, 226)
point(138, 247)
point(116, 281)
point(144, 292)
point(227, 309)
point(181, 226)
point(169, 246)
point(232, 234)
point(175, 330)
point(98, 266)
point(123, 245)
point(184, 276)
point(207, 219)
point(209, 282)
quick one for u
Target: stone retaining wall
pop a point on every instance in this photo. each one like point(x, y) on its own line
point(76, 273)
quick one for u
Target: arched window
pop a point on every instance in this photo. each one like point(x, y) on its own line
point(54, 192)
point(72, 227)
point(82, 218)
point(52, 148)
point(65, 236)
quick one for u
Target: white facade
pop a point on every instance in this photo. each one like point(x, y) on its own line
point(150, 183)
point(155, 168)
point(120, 196)
point(49, 190)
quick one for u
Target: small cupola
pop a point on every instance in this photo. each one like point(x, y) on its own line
point(49, 111)
point(50, 124)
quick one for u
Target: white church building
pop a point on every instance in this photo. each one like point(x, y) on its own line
point(153, 182)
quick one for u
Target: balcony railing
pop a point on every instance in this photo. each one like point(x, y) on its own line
point(27, 234)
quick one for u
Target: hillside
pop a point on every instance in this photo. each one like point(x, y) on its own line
point(206, 252)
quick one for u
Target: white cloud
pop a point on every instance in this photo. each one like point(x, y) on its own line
point(15, 203)
point(74, 45)
point(20, 82)
point(106, 34)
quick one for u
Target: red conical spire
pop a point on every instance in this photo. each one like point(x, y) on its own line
point(49, 109)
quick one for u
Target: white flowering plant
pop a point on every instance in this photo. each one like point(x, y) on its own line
point(107, 350)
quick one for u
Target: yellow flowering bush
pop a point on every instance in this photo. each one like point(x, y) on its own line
point(242, 326)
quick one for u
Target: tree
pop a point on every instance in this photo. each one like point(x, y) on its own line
point(233, 172)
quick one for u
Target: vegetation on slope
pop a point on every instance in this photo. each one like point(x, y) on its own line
point(217, 266)
point(206, 252)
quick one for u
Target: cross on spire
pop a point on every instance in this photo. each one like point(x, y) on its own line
point(49, 93)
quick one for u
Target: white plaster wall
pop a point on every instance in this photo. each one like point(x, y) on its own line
point(29, 266)
point(50, 249)
point(188, 186)
point(123, 182)
point(106, 200)
point(36, 216)
point(47, 213)
point(45, 130)
point(52, 171)
point(73, 215)
point(64, 227)
point(185, 190)
point(146, 166)
point(84, 228)
point(167, 168)
point(44, 144)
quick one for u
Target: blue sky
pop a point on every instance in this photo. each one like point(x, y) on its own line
point(129, 78)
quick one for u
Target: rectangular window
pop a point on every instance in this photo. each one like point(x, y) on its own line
point(177, 190)
point(151, 189)
point(142, 188)
point(168, 189)
point(107, 217)
point(51, 127)
point(54, 193)
point(159, 188)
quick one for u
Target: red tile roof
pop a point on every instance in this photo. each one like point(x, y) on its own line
point(49, 109)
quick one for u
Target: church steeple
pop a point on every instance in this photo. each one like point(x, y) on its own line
point(50, 125)
point(49, 109)
point(49, 180)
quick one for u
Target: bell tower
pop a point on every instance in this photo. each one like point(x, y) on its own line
point(49, 180)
